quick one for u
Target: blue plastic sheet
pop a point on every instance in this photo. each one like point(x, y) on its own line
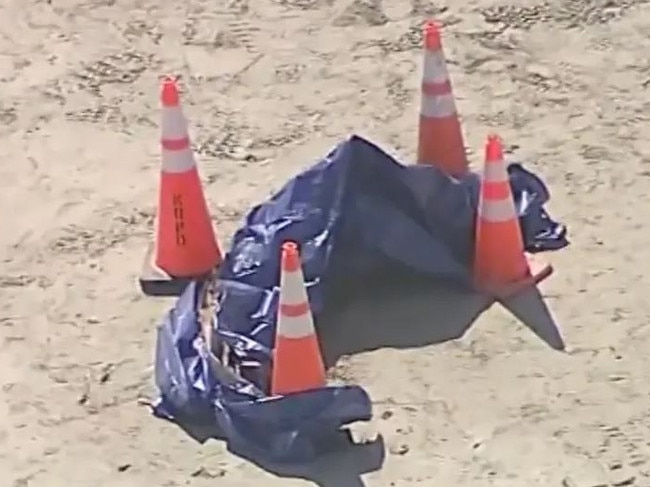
point(355, 213)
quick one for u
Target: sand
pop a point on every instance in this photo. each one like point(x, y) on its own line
point(271, 86)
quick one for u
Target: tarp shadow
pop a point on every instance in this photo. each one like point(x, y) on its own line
point(342, 467)
point(409, 315)
point(530, 308)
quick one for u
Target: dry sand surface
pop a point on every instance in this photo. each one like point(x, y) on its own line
point(271, 85)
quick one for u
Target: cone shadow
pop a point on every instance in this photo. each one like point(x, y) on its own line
point(401, 316)
point(530, 308)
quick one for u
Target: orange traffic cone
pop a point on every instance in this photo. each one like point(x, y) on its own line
point(297, 361)
point(501, 267)
point(186, 247)
point(440, 135)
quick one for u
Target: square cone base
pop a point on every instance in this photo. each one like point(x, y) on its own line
point(156, 282)
point(539, 269)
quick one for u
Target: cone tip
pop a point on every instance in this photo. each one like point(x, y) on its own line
point(290, 256)
point(432, 25)
point(169, 92)
point(493, 148)
point(492, 137)
point(432, 35)
point(290, 247)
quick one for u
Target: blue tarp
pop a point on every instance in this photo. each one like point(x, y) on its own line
point(355, 213)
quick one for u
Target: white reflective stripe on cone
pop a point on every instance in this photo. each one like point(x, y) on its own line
point(174, 125)
point(294, 327)
point(292, 288)
point(435, 67)
point(441, 106)
point(497, 211)
point(495, 172)
point(177, 161)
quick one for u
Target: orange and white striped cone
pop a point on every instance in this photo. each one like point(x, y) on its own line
point(185, 247)
point(501, 266)
point(440, 139)
point(297, 362)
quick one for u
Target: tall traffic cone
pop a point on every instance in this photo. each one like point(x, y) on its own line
point(297, 361)
point(440, 135)
point(501, 267)
point(185, 247)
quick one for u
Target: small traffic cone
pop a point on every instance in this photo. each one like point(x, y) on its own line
point(297, 361)
point(440, 135)
point(501, 267)
point(185, 247)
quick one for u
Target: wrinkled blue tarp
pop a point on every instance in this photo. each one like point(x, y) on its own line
point(357, 212)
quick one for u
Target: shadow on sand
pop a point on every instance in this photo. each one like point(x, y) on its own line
point(418, 314)
point(342, 467)
point(529, 307)
point(406, 315)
